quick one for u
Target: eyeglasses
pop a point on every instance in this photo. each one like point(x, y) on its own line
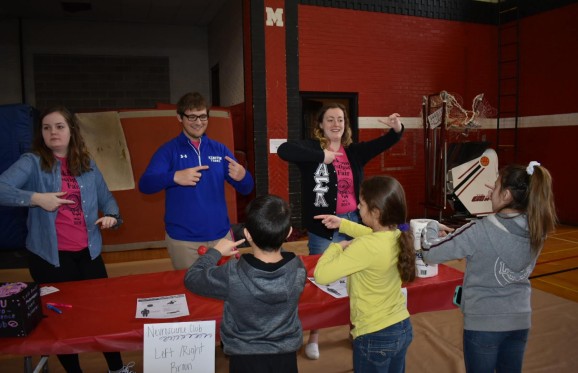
point(193, 117)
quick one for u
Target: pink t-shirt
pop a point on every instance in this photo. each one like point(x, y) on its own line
point(346, 201)
point(70, 224)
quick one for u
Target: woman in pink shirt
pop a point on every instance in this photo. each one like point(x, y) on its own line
point(64, 190)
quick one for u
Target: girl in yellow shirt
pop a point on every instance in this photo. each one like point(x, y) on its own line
point(376, 262)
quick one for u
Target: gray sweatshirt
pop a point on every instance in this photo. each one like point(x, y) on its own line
point(496, 289)
point(261, 301)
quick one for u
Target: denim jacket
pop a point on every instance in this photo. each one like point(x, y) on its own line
point(25, 177)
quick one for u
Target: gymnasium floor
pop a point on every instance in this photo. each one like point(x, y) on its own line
point(553, 344)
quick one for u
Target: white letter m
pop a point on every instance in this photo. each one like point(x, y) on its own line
point(274, 17)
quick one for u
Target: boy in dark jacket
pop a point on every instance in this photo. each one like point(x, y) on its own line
point(260, 330)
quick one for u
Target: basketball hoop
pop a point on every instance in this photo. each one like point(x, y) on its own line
point(456, 116)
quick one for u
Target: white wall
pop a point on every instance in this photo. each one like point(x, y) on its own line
point(226, 49)
point(186, 47)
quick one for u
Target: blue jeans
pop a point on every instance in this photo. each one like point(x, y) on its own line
point(318, 244)
point(499, 351)
point(384, 350)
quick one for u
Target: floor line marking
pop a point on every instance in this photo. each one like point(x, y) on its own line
point(553, 273)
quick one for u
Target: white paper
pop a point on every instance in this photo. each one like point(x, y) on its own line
point(337, 289)
point(179, 347)
point(44, 290)
point(166, 307)
point(404, 292)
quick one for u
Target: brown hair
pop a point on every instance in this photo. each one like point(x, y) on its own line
point(78, 156)
point(317, 132)
point(533, 195)
point(191, 101)
point(385, 194)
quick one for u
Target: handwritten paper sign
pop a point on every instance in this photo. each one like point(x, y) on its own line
point(179, 347)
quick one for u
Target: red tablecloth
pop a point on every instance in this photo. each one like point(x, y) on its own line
point(103, 314)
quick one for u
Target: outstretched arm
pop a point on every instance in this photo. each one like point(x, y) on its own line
point(301, 151)
point(348, 227)
point(368, 150)
point(438, 247)
point(393, 122)
point(206, 278)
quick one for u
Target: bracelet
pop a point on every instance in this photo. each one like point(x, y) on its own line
point(118, 218)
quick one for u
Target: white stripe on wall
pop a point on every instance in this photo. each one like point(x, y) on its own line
point(557, 120)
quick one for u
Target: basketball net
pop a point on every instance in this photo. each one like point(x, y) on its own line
point(456, 116)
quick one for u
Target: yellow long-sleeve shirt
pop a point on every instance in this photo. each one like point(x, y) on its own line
point(373, 283)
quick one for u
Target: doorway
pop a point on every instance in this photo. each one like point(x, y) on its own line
point(311, 102)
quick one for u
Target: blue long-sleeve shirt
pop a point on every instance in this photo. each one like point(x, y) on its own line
point(193, 213)
point(25, 177)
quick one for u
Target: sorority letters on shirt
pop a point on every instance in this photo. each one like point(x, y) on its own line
point(345, 189)
point(321, 177)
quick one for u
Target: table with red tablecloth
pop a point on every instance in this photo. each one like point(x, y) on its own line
point(102, 317)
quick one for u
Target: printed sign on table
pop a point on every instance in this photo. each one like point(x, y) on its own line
point(337, 289)
point(179, 347)
point(171, 306)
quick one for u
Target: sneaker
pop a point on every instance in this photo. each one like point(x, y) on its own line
point(312, 351)
point(125, 369)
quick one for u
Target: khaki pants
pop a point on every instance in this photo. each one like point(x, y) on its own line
point(184, 253)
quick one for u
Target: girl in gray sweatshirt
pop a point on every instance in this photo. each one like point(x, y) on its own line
point(500, 251)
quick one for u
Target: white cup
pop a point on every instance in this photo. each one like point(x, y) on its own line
point(421, 268)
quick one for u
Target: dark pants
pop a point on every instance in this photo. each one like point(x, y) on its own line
point(486, 352)
point(74, 266)
point(266, 363)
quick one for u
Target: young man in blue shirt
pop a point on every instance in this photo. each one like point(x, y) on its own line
point(192, 170)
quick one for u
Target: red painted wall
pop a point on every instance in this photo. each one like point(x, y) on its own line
point(549, 87)
point(548, 62)
point(392, 61)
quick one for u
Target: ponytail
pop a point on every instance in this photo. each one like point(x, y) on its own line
point(541, 211)
point(532, 194)
point(386, 195)
point(406, 257)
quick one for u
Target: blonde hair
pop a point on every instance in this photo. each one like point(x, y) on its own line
point(317, 132)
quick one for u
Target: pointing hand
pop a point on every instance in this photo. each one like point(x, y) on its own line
point(189, 176)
